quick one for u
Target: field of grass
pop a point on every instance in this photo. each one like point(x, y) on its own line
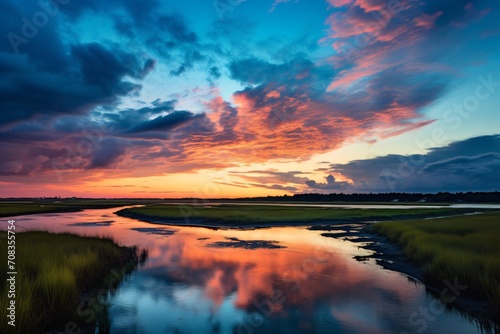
point(466, 247)
point(15, 208)
point(248, 214)
point(53, 271)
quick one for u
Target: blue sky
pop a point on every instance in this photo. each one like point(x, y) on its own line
point(242, 98)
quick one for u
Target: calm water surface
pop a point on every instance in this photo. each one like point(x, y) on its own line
point(312, 285)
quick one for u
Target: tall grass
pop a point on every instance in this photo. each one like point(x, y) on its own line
point(14, 208)
point(103, 323)
point(466, 247)
point(53, 270)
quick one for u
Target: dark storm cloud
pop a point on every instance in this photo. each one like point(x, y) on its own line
point(162, 123)
point(469, 147)
point(26, 160)
point(28, 92)
point(42, 45)
point(364, 170)
point(79, 142)
point(125, 120)
point(96, 76)
point(54, 81)
point(28, 132)
point(168, 35)
point(156, 121)
point(145, 24)
point(391, 87)
point(65, 93)
point(473, 166)
point(331, 184)
point(107, 152)
point(177, 28)
point(139, 11)
point(215, 72)
point(299, 71)
point(466, 165)
point(174, 29)
point(106, 69)
point(191, 57)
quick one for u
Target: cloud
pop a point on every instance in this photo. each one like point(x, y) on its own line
point(28, 91)
point(283, 102)
point(162, 123)
point(107, 152)
point(276, 3)
point(372, 36)
point(467, 165)
point(331, 184)
point(285, 112)
point(274, 187)
point(177, 28)
point(291, 181)
point(266, 98)
point(272, 176)
point(10, 168)
point(48, 72)
point(104, 68)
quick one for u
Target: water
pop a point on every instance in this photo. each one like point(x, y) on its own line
point(311, 286)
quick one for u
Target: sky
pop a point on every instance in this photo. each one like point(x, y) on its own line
point(237, 98)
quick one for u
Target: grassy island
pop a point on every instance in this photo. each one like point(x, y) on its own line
point(238, 215)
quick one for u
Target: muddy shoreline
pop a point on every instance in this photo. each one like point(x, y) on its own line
point(391, 256)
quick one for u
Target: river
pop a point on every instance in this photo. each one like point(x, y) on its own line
point(300, 283)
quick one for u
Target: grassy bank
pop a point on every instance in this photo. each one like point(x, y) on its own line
point(252, 214)
point(53, 271)
point(15, 208)
point(465, 247)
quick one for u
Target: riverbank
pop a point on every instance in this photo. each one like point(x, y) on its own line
point(261, 216)
point(10, 208)
point(453, 288)
point(54, 274)
point(462, 249)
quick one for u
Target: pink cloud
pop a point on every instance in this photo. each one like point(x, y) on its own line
point(426, 21)
point(339, 3)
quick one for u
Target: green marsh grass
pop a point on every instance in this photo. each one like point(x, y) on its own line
point(466, 247)
point(36, 206)
point(53, 271)
point(247, 214)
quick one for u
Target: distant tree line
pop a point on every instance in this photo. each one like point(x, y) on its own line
point(461, 197)
point(468, 197)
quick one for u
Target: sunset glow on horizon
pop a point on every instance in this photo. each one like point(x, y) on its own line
point(214, 99)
